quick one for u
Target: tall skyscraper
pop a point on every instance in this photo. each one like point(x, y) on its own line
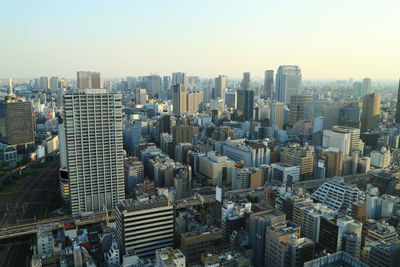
point(357, 89)
point(288, 82)
point(269, 83)
point(277, 114)
point(153, 84)
point(44, 83)
point(179, 99)
point(16, 122)
point(194, 101)
point(97, 80)
point(397, 119)
point(366, 86)
point(370, 112)
point(88, 79)
point(220, 85)
point(245, 104)
point(179, 78)
point(10, 85)
point(93, 130)
point(166, 82)
point(296, 107)
point(246, 84)
point(54, 84)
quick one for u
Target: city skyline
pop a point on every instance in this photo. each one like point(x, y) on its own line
point(327, 40)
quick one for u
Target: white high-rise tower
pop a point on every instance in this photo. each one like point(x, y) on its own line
point(288, 82)
point(93, 133)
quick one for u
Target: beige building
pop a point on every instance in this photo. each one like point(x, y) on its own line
point(296, 107)
point(194, 101)
point(220, 85)
point(88, 79)
point(334, 164)
point(298, 155)
point(216, 167)
point(184, 134)
point(371, 112)
point(179, 99)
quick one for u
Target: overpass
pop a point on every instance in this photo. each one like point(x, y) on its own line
point(312, 184)
point(53, 224)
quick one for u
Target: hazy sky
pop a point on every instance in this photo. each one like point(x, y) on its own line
point(327, 38)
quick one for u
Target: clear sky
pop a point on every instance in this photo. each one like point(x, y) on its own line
point(326, 38)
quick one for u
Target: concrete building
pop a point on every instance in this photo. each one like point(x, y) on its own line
point(179, 78)
point(199, 241)
point(296, 107)
point(337, 195)
point(88, 80)
point(251, 153)
point(145, 225)
point(366, 87)
point(259, 221)
point(336, 259)
point(284, 247)
point(169, 257)
point(349, 236)
point(230, 99)
point(285, 173)
point(182, 182)
point(216, 168)
point(221, 83)
point(311, 220)
point(384, 254)
point(134, 174)
point(371, 112)
point(179, 99)
point(338, 140)
point(94, 149)
point(54, 84)
point(277, 114)
point(184, 134)
point(194, 101)
point(288, 82)
point(295, 154)
point(380, 232)
point(18, 133)
point(380, 159)
point(354, 138)
point(140, 96)
point(334, 164)
point(44, 83)
point(397, 118)
point(269, 83)
point(44, 241)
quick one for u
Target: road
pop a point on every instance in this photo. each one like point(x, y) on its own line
point(29, 202)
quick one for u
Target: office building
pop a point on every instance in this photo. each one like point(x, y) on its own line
point(285, 173)
point(153, 84)
point(371, 112)
point(166, 83)
point(288, 82)
point(354, 138)
point(349, 236)
point(44, 83)
point(246, 83)
point(179, 78)
point(336, 259)
point(295, 154)
point(145, 224)
point(169, 257)
point(179, 99)
point(93, 130)
point(54, 84)
point(397, 118)
point(134, 174)
point(221, 83)
point(259, 221)
point(140, 96)
point(384, 254)
point(337, 195)
point(199, 241)
point(311, 220)
point(184, 134)
point(216, 168)
point(357, 86)
point(380, 159)
point(224, 258)
point(277, 114)
point(182, 182)
point(16, 123)
point(269, 83)
point(339, 140)
point(284, 247)
point(88, 79)
point(380, 232)
point(366, 87)
point(194, 101)
point(296, 107)
point(250, 153)
point(230, 99)
point(245, 105)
